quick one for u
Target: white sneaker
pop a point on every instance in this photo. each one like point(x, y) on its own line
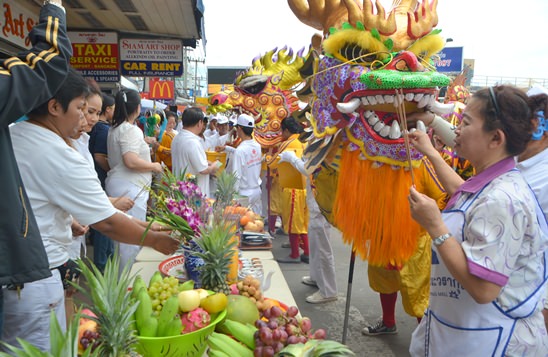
point(306, 280)
point(318, 298)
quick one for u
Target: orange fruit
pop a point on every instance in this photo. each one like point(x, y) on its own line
point(244, 220)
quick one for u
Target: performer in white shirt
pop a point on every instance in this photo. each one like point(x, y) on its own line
point(246, 163)
point(187, 151)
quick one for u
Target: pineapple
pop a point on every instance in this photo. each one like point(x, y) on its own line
point(216, 245)
point(114, 309)
point(113, 305)
point(226, 188)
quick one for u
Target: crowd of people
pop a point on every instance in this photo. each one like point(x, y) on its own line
point(81, 166)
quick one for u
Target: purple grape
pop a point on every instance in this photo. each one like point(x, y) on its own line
point(272, 324)
point(275, 311)
point(292, 311)
point(278, 346)
point(291, 340)
point(258, 351)
point(283, 335)
point(276, 334)
point(84, 342)
point(305, 324)
point(266, 335)
point(320, 334)
point(302, 339)
point(268, 351)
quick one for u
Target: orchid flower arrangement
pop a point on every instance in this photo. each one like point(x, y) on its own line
point(181, 205)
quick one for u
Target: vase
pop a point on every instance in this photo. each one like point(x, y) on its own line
point(192, 263)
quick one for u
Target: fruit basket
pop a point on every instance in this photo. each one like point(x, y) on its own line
point(174, 266)
point(192, 344)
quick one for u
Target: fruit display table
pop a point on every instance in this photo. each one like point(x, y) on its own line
point(148, 259)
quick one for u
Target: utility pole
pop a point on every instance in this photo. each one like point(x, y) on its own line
point(195, 84)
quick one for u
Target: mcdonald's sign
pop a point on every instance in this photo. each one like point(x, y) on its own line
point(161, 89)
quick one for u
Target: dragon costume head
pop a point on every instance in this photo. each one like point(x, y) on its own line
point(367, 54)
point(265, 91)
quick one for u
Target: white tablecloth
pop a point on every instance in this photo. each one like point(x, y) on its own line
point(148, 260)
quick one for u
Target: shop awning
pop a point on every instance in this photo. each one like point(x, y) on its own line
point(180, 19)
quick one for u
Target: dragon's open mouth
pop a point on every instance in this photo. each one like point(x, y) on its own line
point(377, 110)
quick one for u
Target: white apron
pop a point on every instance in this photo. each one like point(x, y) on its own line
point(454, 324)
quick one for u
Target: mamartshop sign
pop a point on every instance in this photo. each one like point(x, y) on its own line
point(16, 23)
point(151, 57)
point(95, 55)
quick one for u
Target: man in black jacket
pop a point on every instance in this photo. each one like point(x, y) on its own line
point(27, 81)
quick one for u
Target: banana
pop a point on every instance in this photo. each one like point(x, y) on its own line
point(217, 353)
point(138, 283)
point(174, 327)
point(216, 344)
point(328, 348)
point(187, 285)
point(144, 310)
point(169, 311)
point(241, 350)
point(149, 327)
point(241, 332)
point(155, 278)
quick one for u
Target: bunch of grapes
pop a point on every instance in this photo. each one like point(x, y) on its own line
point(282, 328)
point(160, 291)
point(251, 287)
point(90, 338)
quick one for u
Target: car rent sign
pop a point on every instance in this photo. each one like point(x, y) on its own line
point(151, 57)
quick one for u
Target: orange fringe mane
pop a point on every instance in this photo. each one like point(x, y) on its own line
point(372, 210)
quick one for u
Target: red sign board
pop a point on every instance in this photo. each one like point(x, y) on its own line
point(95, 54)
point(161, 89)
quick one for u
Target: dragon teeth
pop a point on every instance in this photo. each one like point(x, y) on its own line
point(395, 131)
point(421, 126)
point(378, 126)
point(424, 101)
point(385, 131)
point(373, 119)
point(368, 113)
point(349, 106)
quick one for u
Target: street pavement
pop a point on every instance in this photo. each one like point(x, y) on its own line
point(364, 309)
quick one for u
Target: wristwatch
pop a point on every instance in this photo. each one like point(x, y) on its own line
point(439, 240)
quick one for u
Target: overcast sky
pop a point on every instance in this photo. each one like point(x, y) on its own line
point(505, 37)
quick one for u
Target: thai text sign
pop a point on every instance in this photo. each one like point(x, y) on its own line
point(161, 89)
point(151, 57)
point(450, 60)
point(95, 54)
point(16, 23)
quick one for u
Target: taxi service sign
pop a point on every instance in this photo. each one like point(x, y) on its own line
point(151, 57)
point(95, 55)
